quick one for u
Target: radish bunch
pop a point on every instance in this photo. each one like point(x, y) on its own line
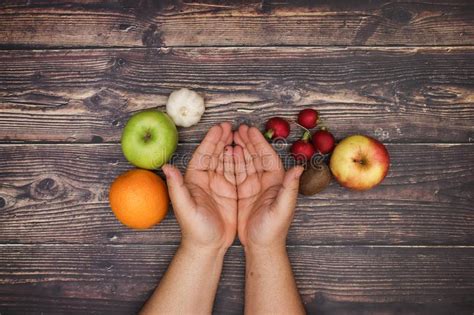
point(321, 141)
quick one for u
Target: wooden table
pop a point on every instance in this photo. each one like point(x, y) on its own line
point(72, 72)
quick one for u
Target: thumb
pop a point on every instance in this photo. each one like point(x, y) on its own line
point(179, 194)
point(286, 198)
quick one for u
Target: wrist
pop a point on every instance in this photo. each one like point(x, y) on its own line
point(265, 250)
point(202, 251)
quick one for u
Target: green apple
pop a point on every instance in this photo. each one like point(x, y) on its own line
point(149, 139)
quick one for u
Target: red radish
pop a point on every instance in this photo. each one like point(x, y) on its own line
point(277, 127)
point(323, 141)
point(302, 150)
point(308, 118)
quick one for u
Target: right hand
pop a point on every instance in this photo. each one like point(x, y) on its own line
point(266, 193)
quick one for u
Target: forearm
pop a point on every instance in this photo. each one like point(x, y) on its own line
point(270, 287)
point(189, 285)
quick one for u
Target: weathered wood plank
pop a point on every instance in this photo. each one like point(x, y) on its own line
point(396, 95)
point(116, 279)
point(234, 23)
point(59, 193)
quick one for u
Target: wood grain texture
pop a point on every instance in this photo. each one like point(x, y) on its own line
point(396, 95)
point(234, 23)
point(405, 247)
point(59, 193)
point(117, 279)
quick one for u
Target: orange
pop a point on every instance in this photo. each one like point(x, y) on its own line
point(139, 198)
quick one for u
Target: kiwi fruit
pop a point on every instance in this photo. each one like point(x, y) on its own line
point(314, 179)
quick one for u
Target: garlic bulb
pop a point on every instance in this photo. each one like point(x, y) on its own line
point(185, 107)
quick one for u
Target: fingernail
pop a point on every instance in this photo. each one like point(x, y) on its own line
point(300, 170)
point(165, 169)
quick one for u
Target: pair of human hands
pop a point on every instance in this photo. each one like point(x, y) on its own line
point(228, 190)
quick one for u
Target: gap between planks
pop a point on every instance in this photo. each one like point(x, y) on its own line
point(64, 143)
point(4, 47)
point(233, 246)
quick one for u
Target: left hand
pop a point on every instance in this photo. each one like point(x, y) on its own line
point(205, 200)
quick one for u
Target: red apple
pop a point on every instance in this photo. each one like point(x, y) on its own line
point(359, 162)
